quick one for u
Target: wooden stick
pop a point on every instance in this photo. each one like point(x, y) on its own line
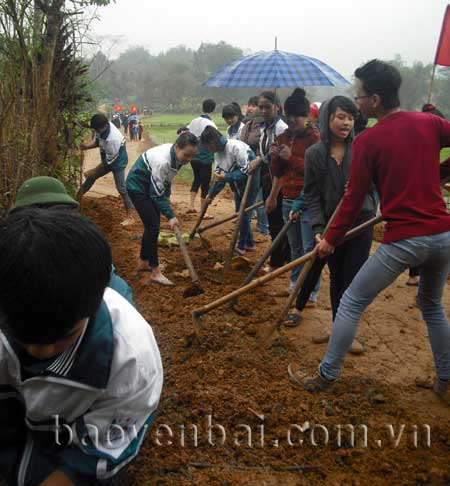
point(80, 190)
point(185, 253)
point(228, 218)
point(276, 273)
point(298, 284)
point(238, 223)
point(254, 283)
point(431, 83)
point(203, 211)
point(267, 253)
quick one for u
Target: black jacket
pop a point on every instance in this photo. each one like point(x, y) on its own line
point(325, 180)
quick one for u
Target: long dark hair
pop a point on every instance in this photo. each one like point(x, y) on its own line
point(186, 138)
point(297, 104)
point(210, 135)
point(273, 98)
point(232, 109)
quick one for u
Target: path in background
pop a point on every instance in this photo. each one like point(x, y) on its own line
point(105, 186)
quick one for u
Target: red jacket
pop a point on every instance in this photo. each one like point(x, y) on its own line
point(401, 155)
point(291, 172)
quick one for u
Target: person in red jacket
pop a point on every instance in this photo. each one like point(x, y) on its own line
point(288, 168)
point(400, 154)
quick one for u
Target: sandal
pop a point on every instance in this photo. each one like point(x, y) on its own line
point(164, 281)
point(128, 221)
point(292, 320)
point(208, 216)
point(191, 211)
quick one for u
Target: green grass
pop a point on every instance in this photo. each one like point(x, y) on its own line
point(186, 174)
point(445, 154)
point(169, 134)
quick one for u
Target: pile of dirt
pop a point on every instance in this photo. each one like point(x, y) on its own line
point(250, 421)
point(378, 232)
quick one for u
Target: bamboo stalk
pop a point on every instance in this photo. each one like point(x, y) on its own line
point(431, 83)
point(228, 218)
point(203, 211)
point(276, 273)
point(299, 283)
point(238, 223)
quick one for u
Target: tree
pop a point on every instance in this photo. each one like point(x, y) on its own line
point(43, 89)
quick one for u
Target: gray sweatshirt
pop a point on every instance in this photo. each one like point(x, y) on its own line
point(325, 180)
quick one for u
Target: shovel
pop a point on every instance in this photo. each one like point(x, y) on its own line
point(298, 284)
point(238, 223)
point(195, 288)
point(197, 313)
point(227, 218)
point(203, 211)
point(258, 265)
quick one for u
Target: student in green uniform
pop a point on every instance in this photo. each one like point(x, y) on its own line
point(48, 192)
point(114, 159)
point(148, 184)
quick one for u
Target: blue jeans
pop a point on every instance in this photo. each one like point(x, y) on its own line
point(309, 243)
point(245, 230)
point(432, 255)
point(261, 217)
point(119, 179)
point(294, 235)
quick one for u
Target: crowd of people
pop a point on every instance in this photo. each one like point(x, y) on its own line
point(307, 167)
point(131, 124)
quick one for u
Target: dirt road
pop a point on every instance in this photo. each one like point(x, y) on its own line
point(228, 381)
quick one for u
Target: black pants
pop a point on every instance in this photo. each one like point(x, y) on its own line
point(149, 213)
point(282, 254)
point(202, 177)
point(414, 272)
point(344, 264)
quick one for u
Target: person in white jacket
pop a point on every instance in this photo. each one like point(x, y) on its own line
point(80, 370)
point(202, 164)
point(233, 117)
point(149, 185)
point(114, 158)
point(232, 161)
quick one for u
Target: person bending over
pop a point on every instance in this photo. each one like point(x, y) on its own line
point(80, 370)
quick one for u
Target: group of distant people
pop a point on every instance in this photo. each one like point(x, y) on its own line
point(61, 302)
point(131, 125)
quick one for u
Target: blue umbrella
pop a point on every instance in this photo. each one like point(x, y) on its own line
point(275, 69)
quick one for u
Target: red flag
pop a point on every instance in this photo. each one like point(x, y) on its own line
point(443, 51)
point(118, 108)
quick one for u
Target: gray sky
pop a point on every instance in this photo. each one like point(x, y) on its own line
point(342, 33)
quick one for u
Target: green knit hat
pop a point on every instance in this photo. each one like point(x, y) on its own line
point(43, 190)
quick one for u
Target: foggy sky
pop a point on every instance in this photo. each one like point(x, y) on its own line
point(342, 33)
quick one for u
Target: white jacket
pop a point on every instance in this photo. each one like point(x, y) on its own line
point(112, 144)
point(109, 381)
point(198, 124)
point(237, 154)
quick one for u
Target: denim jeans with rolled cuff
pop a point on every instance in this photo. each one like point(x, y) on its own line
point(432, 255)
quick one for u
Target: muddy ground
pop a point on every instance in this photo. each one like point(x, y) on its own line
point(277, 434)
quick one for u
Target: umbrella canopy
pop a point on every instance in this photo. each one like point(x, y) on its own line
point(275, 69)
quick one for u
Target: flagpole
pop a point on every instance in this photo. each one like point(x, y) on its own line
point(431, 83)
point(442, 57)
